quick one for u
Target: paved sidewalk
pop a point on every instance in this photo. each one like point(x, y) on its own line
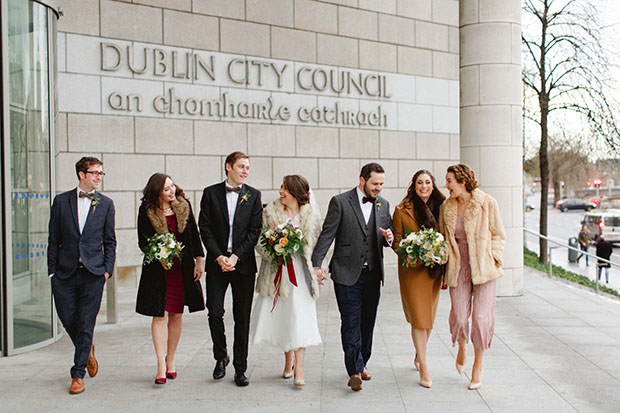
point(556, 349)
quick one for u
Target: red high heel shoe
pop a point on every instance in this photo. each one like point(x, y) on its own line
point(160, 380)
point(171, 375)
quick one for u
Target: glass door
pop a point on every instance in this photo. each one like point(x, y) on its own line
point(29, 109)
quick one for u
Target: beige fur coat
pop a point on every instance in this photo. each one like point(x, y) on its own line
point(311, 221)
point(485, 238)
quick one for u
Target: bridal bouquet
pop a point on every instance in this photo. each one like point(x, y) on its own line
point(281, 244)
point(163, 248)
point(426, 246)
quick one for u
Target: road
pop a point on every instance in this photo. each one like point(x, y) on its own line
point(562, 226)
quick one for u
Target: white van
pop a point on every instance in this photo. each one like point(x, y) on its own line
point(606, 223)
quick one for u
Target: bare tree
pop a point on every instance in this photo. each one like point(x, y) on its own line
point(565, 68)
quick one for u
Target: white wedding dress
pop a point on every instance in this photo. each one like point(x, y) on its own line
point(292, 323)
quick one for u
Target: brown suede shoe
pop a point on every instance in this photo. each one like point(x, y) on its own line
point(366, 375)
point(355, 382)
point(77, 386)
point(92, 366)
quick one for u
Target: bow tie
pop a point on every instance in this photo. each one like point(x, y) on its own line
point(366, 199)
point(90, 196)
point(237, 189)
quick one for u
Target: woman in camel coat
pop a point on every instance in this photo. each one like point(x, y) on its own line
point(419, 285)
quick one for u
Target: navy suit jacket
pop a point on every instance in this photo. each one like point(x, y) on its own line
point(95, 247)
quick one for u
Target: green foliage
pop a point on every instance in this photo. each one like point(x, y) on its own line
point(530, 259)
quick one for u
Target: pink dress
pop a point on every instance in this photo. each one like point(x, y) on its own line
point(468, 299)
point(175, 291)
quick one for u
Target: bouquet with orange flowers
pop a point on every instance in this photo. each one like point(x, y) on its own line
point(282, 243)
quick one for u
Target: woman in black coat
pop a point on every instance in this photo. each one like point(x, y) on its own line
point(162, 293)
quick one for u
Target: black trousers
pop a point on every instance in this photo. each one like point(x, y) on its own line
point(358, 311)
point(242, 286)
point(78, 299)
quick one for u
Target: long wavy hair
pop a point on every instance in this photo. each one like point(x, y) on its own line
point(153, 189)
point(426, 213)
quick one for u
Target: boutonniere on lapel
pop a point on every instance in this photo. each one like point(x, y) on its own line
point(246, 195)
point(378, 203)
point(95, 203)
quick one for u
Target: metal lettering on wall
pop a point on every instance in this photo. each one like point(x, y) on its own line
point(280, 80)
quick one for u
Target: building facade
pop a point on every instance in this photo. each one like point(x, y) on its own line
point(316, 88)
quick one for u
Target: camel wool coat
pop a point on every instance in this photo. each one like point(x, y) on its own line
point(485, 238)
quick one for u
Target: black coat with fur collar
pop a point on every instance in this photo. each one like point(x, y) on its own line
point(151, 298)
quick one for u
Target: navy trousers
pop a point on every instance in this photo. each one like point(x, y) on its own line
point(78, 299)
point(358, 311)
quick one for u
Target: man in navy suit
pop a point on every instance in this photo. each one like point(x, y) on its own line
point(359, 222)
point(230, 223)
point(80, 258)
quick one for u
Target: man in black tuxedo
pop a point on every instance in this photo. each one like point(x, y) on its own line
point(80, 258)
point(230, 223)
point(360, 223)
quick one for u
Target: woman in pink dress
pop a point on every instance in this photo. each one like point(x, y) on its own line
point(470, 222)
point(162, 293)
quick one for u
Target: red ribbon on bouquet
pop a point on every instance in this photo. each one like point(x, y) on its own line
point(277, 282)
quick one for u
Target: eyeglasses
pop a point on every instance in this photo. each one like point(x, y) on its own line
point(96, 173)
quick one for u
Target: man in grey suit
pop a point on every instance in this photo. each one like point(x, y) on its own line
point(80, 258)
point(360, 223)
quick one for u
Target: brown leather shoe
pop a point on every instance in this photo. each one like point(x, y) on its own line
point(355, 382)
point(92, 366)
point(366, 375)
point(77, 386)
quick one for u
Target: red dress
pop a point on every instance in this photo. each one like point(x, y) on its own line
point(175, 291)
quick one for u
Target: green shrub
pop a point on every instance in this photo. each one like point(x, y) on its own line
point(530, 259)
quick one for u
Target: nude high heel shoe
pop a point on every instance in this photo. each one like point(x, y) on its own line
point(416, 363)
point(475, 385)
point(460, 367)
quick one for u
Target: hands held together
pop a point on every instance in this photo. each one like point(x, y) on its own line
point(227, 263)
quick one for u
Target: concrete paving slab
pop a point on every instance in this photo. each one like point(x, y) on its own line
point(556, 348)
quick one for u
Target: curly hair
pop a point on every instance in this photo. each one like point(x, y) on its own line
point(464, 174)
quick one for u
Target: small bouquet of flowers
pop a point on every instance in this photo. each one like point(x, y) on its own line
point(281, 244)
point(163, 248)
point(426, 246)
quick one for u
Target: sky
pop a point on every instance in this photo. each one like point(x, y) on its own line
point(609, 13)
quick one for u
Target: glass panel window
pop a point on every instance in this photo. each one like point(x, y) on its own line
point(29, 143)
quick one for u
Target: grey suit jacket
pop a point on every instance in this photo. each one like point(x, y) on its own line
point(345, 224)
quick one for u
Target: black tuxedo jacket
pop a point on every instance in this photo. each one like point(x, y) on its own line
point(214, 228)
point(96, 246)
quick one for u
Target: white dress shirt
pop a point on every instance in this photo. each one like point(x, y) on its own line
point(231, 200)
point(366, 207)
point(83, 205)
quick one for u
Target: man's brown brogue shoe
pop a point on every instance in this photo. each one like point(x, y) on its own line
point(355, 382)
point(92, 366)
point(77, 386)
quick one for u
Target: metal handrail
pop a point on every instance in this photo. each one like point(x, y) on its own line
point(562, 244)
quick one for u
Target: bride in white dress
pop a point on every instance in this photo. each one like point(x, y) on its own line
point(292, 324)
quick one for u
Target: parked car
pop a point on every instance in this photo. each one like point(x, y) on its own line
point(574, 203)
point(606, 223)
point(595, 200)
